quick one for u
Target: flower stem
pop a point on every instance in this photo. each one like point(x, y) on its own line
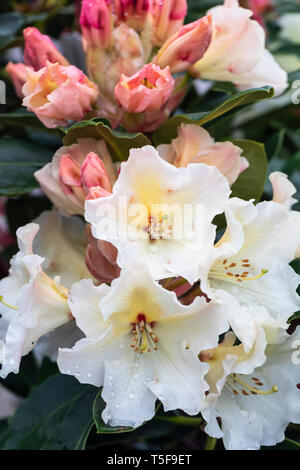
point(210, 443)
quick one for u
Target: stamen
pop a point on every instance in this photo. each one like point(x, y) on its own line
point(251, 389)
point(230, 272)
point(144, 339)
point(6, 304)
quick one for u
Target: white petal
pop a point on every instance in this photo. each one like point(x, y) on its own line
point(62, 242)
point(84, 299)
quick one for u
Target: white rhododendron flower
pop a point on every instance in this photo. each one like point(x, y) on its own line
point(34, 295)
point(283, 192)
point(195, 145)
point(141, 344)
point(161, 214)
point(251, 265)
point(255, 404)
point(237, 51)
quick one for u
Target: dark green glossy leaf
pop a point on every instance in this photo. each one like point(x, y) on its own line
point(274, 144)
point(56, 416)
point(10, 23)
point(23, 382)
point(293, 164)
point(19, 159)
point(287, 444)
point(250, 183)
point(3, 432)
point(23, 118)
point(168, 131)
point(118, 143)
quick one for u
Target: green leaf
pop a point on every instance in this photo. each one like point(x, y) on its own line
point(56, 416)
point(10, 23)
point(19, 159)
point(292, 164)
point(22, 383)
point(287, 444)
point(118, 143)
point(250, 183)
point(23, 118)
point(275, 143)
point(168, 131)
point(3, 432)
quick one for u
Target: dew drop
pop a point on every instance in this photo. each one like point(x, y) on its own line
point(131, 395)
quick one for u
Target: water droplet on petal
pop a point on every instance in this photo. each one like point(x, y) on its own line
point(131, 395)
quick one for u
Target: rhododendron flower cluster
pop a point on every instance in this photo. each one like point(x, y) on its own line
point(159, 274)
point(140, 342)
point(138, 56)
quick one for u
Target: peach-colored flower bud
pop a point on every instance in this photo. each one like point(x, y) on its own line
point(58, 94)
point(79, 171)
point(195, 145)
point(96, 22)
point(101, 259)
point(147, 90)
point(125, 56)
point(18, 74)
point(39, 49)
point(151, 120)
point(168, 17)
point(187, 46)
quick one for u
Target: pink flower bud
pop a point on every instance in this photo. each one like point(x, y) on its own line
point(39, 49)
point(93, 172)
point(259, 8)
point(133, 12)
point(168, 16)
point(77, 172)
point(96, 22)
point(76, 179)
point(96, 192)
point(58, 94)
point(147, 90)
point(18, 74)
point(187, 46)
point(101, 259)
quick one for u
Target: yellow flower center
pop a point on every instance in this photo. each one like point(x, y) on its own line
point(144, 339)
